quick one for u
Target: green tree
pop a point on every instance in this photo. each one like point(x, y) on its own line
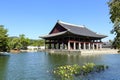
point(18, 43)
point(3, 39)
point(24, 41)
point(37, 42)
point(14, 43)
point(114, 6)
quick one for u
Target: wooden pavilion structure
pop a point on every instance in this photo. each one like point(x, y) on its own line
point(68, 36)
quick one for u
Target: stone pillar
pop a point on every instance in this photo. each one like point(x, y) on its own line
point(74, 45)
point(68, 45)
point(56, 45)
point(65, 46)
point(53, 46)
point(93, 46)
point(79, 46)
point(59, 45)
point(62, 45)
point(89, 46)
point(100, 45)
point(84, 46)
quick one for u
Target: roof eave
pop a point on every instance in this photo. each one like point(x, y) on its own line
point(53, 35)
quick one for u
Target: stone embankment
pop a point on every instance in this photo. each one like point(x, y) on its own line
point(101, 51)
point(84, 52)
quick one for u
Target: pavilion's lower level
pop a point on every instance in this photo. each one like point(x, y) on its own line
point(73, 44)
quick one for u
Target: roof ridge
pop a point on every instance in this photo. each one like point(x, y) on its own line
point(59, 21)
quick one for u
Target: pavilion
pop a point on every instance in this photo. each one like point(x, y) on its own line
point(66, 36)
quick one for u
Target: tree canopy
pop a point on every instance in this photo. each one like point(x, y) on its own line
point(114, 6)
point(3, 39)
point(18, 43)
point(21, 42)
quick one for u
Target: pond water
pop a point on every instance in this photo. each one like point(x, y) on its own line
point(38, 66)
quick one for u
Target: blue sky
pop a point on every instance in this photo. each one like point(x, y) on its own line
point(35, 18)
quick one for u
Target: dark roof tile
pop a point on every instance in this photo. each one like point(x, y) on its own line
point(80, 30)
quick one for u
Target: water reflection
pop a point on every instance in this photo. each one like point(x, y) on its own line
point(3, 67)
point(111, 60)
point(73, 59)
point(38, 66)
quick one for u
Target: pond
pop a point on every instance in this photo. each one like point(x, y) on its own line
point(38, 66)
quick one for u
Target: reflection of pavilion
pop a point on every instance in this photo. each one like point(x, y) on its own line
point(67, 36)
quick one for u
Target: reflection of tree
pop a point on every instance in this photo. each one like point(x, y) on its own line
point(58, 59)
point(55, 60)
point(3, 66)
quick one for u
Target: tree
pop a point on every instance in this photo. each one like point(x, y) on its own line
point(114, 6)
point(37, 42)
point(14, 43)
point(18, 42)
point(24, 41)
point(3, 39)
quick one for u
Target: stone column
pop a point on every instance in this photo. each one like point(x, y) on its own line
point(89, 46)
point(68, 45)
point(79, 46)
point(93, 46)
point(100, 45)
point(84, 45)
point(74, 45)
point(56, 45)
point(63, 46)
point(53, 46)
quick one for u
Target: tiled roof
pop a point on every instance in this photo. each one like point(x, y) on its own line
point(75, 29)
point(79, 30)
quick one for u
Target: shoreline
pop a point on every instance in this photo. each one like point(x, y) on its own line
point(102, 51)
point(83, 52)
point(74, 52)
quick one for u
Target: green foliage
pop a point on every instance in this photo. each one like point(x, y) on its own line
point(87, 68)
point(18, 43)
point(68, 72)
point(114, 10)
point(3, 39)
point(22, 42)
point(114, 6)
point(37, 42)
point(14, 43)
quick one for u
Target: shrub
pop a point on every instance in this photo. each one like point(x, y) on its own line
point(68, 72)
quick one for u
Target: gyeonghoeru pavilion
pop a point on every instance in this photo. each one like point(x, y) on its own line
point(66, 36)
